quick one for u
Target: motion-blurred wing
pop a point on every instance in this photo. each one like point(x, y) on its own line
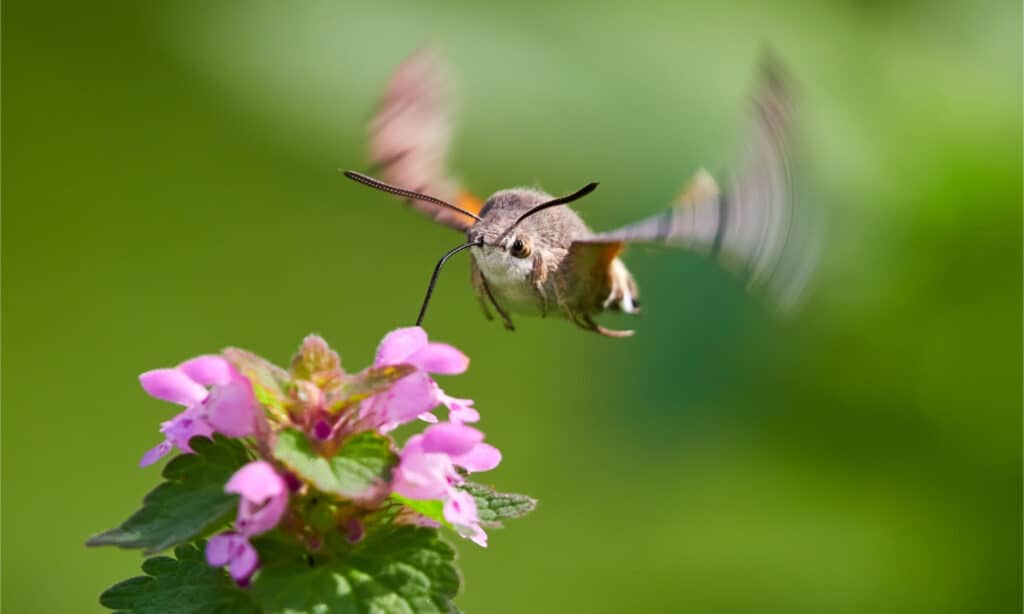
point(410, 134)
point(752, 228)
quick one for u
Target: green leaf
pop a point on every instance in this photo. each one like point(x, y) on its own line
point(492, 507)
point(402, 570)
point(383, 516)
point(190, 503)
point(431, 508)
point(185, 585)
point(360, 470)
point(366, 383)
point(269, 381)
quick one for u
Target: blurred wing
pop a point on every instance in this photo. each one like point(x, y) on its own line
point(410, 134)
point(752, 228)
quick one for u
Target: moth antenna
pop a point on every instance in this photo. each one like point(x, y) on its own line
point(437, 271)
point(390, 189)
point(561, 200)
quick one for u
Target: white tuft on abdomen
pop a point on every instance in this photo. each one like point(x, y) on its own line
point(622, 295)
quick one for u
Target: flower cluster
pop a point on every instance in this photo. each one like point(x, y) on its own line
point(297, 423)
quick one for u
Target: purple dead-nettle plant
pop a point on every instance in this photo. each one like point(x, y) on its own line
point(290, 493)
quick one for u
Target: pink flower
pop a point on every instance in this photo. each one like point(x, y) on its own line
point(427, 470)
point(417, 394)
point(178, 430)
point(460, 511)
point(423, 475)
point(264, 499)
point(235, 551)
point(227, 407)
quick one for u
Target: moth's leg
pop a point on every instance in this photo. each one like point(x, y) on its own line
point(501, 312)
point(479, 288)
point(480, 298)
point(586, 322)
point(572, 310)
point(480, 284)
point(582, 319)
point(578, 319)
point(538, 276)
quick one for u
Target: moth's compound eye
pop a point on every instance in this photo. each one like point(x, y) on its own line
point(520, 249)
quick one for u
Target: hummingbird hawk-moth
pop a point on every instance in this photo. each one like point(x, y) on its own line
point(533, 255)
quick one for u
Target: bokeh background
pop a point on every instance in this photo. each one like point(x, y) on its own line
point(170, 187)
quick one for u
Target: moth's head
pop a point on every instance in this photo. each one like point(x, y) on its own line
point(497, 228)
point(503, 249)
point(508, 221)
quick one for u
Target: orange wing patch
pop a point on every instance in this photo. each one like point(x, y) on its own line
point(470, 202)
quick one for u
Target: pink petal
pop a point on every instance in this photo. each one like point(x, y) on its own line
point(422, 480)
point(155, 454)
point(421, 475)
point(460, 410)
point(257, 482)
point(483, 457)
point(463, 414)
point(439, 358)
point(236, 552)
point(419, 485)
point(409, 397)
point(460, 509)
point(231, 408)
point(428, 417)
point(354, 530)
point(208, 370)
point(413, 446)
point(399, 344)
point(479, 537)
point(252, 519)
point(244, 562)
point(172, 385)
point(218, 549)
point(186, 425)
point(451, 438)
point(264, 497)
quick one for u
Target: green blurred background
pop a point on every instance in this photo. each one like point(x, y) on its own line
point(170, 187)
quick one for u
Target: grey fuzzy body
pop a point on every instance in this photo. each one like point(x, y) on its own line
point(547, 281)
